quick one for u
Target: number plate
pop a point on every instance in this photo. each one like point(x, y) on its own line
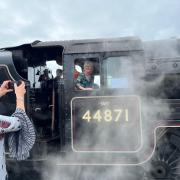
point(106, 124)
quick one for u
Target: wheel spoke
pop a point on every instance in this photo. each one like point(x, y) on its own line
point(174, 161)
point(171, 155)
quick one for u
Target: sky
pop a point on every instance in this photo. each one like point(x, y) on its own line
point(48, 20)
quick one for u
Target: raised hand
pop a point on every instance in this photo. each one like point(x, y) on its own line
point(4, 88)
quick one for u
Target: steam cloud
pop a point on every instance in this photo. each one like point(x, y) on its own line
point(152, 109)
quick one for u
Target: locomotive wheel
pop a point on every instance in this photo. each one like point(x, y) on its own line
point(165, 163)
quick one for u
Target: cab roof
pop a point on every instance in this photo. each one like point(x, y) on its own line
point(88, 45)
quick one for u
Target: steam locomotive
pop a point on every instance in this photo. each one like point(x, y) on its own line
point(130, 119)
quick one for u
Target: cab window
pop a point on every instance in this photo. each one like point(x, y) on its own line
point(118, 72)
point(86, 74)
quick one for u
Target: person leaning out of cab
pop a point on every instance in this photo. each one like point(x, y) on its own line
point(85, 80)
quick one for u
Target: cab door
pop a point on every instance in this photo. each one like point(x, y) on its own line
point(73, 66)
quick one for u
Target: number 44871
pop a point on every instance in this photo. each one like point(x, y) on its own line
point(106, 115)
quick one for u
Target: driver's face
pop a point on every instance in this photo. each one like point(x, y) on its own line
point(88, 70)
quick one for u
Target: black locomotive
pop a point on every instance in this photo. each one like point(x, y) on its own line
point(131, 119)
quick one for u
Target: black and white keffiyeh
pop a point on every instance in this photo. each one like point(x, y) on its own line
point(21, 142)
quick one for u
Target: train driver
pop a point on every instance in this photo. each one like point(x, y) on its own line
point(85, 80)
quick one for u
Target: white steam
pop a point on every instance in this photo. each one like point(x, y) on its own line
point(153, 109)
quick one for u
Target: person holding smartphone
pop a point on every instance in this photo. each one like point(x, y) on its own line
point(19, 127)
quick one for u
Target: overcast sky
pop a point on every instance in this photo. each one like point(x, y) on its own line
point(25, 21)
